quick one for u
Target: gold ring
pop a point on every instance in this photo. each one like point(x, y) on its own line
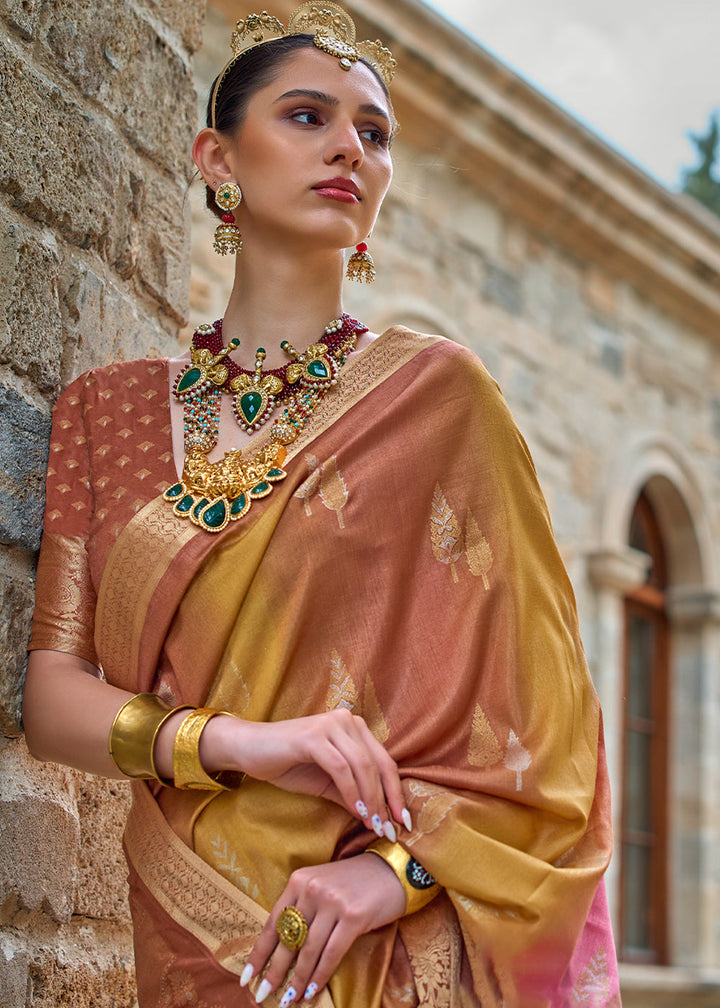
point(292, 928)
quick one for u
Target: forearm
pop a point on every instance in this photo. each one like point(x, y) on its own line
point(68, 713)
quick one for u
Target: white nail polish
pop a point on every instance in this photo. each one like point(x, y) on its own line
point(361, 809)
point(246, 975)
point(311, 991)
point(389, 831)
point(263, 991)
point(376, 824)
point(407, 821)
point(288, 997)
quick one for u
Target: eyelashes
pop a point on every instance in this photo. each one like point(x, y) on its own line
point(375, 135)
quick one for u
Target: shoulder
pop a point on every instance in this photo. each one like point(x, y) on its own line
point(455, 370)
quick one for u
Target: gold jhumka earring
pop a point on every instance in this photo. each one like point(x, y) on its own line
point(228, 239)
point(360, 265)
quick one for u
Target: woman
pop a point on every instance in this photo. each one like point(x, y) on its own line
point(406, 801)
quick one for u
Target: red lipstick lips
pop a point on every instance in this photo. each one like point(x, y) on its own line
point(341, 189)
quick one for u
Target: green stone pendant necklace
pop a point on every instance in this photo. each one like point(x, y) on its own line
point(211, 494)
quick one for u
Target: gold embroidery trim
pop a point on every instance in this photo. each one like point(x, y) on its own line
point(198, 899)
point(141, 556)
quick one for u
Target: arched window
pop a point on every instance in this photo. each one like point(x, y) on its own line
point(644, 862)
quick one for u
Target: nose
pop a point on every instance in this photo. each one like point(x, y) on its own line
point(345, 144)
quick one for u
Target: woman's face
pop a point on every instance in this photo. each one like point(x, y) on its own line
point(311, 156)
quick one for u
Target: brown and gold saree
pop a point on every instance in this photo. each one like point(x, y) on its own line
point(405, 569)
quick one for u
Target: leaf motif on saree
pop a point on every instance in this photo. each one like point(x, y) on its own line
point(436, 966)
point(517, 758)
point(178, 989)
point(308, 488)
point(429, 806)
point(477, 551)
point(404, 994)
point(484, 750)
point(593, 986)
point(225, 862)
point(333, 489)
point(445, 532)
point(341, 691)
point(233, 693)
point(372, 712)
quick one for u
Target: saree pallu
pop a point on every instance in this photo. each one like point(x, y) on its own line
point(406, 570)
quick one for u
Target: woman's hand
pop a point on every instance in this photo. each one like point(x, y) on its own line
point(332, 755)
point(340, 901)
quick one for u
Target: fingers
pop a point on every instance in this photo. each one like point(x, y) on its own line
point(365, 774)
point(332, 929)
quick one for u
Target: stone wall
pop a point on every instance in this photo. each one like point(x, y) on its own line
point(97, 112)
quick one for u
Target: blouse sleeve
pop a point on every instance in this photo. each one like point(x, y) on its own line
point(64, 618)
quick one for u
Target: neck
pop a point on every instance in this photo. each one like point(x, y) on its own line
point(277, 297)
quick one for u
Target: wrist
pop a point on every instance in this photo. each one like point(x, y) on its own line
point(219, 743)
point(189, 769)
point(419, 887)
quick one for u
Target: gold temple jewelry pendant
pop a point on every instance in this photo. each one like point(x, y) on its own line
point(211, 494)
point(314, 368)
point(254, 398)
point(204, 370)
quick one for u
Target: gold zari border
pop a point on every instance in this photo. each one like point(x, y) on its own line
point(198, 899)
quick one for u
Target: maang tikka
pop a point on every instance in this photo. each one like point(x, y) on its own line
point(227, 235)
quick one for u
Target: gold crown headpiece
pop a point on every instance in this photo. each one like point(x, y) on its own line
point(333, 31)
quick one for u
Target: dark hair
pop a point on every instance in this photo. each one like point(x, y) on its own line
point(254, 70)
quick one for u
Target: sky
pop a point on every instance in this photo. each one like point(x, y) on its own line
point(639, 73)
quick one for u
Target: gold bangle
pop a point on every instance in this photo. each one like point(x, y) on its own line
point(188, 771)
point(133, 733)
point(419, 885)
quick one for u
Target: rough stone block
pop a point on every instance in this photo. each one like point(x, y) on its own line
point(24, 436)
point(14, 978)
point(83, 978)
point(30, 320)
point(117, 58)
point(38, 852)
point(61, 164)
point(185, 19)
point(16, 606)
point(163, 248)
point(103, 806)
point(22, 15)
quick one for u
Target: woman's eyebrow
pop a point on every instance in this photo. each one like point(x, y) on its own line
point(320, 96)
point(330, 100)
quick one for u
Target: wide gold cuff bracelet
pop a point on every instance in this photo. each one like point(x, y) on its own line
point(419, 885)
point(133, 734)
point(188, 771)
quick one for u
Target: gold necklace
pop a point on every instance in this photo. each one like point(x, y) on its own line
point(211, 494)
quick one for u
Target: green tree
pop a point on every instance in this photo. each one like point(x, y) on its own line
point(702, 183)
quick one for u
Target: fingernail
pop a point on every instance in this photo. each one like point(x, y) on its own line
point(376, 824)
point(407, 821)
point(389, 830)
point(288, 997)
point(246, 975)
point(311, 991)
point(263, 991)
point(361, 809)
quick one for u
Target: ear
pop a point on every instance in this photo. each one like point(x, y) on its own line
point(207, 152)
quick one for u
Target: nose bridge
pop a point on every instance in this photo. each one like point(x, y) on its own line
point(345, 142)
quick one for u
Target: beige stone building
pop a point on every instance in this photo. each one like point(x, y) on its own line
point(591, 293)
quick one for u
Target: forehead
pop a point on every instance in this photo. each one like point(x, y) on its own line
point(313, 70)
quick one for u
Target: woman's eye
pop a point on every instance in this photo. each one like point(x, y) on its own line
point(375, 136)
point(307, 117)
